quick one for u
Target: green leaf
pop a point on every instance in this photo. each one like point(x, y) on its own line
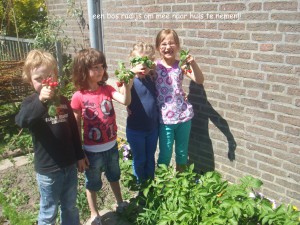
point(251, 182)
point(142, 60)
point(123, 74)
point(52, 110)
point(183, 57)
point(237, 211)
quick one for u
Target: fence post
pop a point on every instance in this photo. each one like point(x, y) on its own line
point(59, 61)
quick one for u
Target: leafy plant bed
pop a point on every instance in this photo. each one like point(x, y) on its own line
point(190, 199)
point(187, 198)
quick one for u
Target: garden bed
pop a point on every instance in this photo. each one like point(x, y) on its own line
point(187, 198)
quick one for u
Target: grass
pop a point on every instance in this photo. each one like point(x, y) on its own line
point(2, 148)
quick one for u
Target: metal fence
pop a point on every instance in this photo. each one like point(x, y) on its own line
point(14, 49)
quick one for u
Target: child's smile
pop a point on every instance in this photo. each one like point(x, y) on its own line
point(168, 47)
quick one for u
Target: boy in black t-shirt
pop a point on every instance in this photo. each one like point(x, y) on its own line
point(56, 141)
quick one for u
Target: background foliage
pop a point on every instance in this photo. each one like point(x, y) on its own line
point(17, 17)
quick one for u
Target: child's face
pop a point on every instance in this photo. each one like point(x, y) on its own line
point(168, 47)
point(40, 73)
point(96, 73)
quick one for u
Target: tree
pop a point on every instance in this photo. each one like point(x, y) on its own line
point(17, 17)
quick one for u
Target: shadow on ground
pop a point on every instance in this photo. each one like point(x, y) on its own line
point(112, 218)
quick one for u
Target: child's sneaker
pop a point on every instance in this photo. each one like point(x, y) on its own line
point(121, 207)
point(94, 221)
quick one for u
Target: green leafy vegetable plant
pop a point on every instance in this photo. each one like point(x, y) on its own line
point(190, 199)
point(54, 102)
point(186, 67)
point(123, 75)
point(142, 60)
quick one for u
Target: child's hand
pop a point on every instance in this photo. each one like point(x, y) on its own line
point(123, 74)
point(46, 93)
point(189, 59)
point(83, 164)
point(140, 70)
point(129, 84)
point(185, 62)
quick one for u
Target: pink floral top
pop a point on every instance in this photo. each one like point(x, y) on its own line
point(173, 105)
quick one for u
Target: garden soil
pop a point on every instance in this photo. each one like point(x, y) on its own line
point(18, 177)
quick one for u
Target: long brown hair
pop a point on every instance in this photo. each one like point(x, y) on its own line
point(83, 62)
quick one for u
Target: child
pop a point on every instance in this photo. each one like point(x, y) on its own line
point(93, 104)
point(175, 111)
point(142, 121)
point(56, 142)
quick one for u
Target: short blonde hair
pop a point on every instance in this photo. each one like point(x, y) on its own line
point(35, 59)
point(144, 48)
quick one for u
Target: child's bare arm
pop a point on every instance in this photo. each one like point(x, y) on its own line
point(125, 97)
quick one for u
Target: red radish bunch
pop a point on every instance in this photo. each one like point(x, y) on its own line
point(49, 82)
point(183, 57)
point(119, 84)
point(54, 102)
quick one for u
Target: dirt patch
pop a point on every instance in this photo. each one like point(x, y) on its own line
point(19, 185)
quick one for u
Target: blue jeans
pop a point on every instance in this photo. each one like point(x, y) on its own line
point(58, 188)
point(168, 133)
point(143, 145)
point(108, 162)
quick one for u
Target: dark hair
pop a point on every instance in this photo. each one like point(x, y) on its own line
point(162, 35)
point(83, 62)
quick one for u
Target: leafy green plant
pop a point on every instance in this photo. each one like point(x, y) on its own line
point(7, 113)
point(22, 140)
point(188, 198)
point(15, 217)
point(11, 135)
point(123, 74)
point(186, 67)
point(142, 60)
point(11, 198)
point(50, 32)
point(82, 203)
point(17, 17)
point(55, 101)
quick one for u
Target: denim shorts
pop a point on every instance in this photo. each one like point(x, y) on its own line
point(107, 162)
